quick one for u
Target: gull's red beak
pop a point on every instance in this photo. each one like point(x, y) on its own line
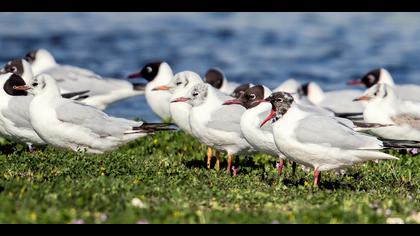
point(354, 82)
point(180, 99)
point(269, 117)
point(22, 87)
point(362, 98)
point(233, 101)
point(135, 75)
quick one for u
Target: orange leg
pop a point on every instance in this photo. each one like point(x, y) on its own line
point(229, 166)
point(280, 166)
point(217, 166)
point(317, 177)
point(209, 156)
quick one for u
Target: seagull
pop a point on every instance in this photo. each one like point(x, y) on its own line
point(216, 125)
point(320, 142)
point(290, 86)
point(384, 106)
point(14, 112)
point(157, 74)
point(102, 91)
point(338, 101)
point(260, 138)
point(70, 124)
point(216, 78)
point(381, 75)
point(179, 86)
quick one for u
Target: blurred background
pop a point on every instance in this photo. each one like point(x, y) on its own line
point(267, 48)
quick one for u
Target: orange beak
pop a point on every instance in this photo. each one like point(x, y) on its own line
point(362, 98)
point(22, 87)
point(161, 88)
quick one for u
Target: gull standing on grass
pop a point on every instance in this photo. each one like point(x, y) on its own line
point(179, 86)
point(102, 91)
point(69, 124)
point(321, 142)
point(216, 125)
point(260, 138)
point(14, 112)
point(157, 74)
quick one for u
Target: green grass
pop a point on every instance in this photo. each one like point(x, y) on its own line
point(167, 173)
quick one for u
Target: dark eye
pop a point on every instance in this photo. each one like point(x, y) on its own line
point(376, 93)
point(178, 83)
point(280, 99)
point(35, 84)
point(195, 94)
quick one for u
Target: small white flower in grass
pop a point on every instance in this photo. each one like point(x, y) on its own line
point(137, 203)
point(103, 217)
point(78, 221)
point(388, 212)
point(142, 222)
point(394, 220)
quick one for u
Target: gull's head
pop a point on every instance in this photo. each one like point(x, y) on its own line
point(250, 98)
point(195, 96)
point(376, 76)
point(40, 60)
point(181, 81)
point(215, 77)
point(9, 81)
point(240, 90)
point(19, 67)
point(153, 70)
point(312, 91)
point(377, 92)
point(280, 103)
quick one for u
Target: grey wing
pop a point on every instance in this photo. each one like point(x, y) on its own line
point(227, 118)
point(93, 119)
point(18, 111)
point(331, 132)
point(72, 79)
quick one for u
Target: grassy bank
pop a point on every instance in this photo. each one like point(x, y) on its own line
point(163, 179)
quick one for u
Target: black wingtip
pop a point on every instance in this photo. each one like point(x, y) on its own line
point(348, 114)
point(139, 86)
point(153, 127)
point(396, 144)
point(74, 94)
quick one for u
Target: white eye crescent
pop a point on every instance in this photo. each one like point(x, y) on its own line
point(252, 96)
point(149, 69)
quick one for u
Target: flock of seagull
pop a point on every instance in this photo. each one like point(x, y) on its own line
point(43, 102)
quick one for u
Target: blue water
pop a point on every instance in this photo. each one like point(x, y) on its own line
point(267, 48)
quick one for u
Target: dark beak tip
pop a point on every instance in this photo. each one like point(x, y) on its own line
point(134, 75)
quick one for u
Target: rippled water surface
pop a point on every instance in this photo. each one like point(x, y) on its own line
point(267, 48)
